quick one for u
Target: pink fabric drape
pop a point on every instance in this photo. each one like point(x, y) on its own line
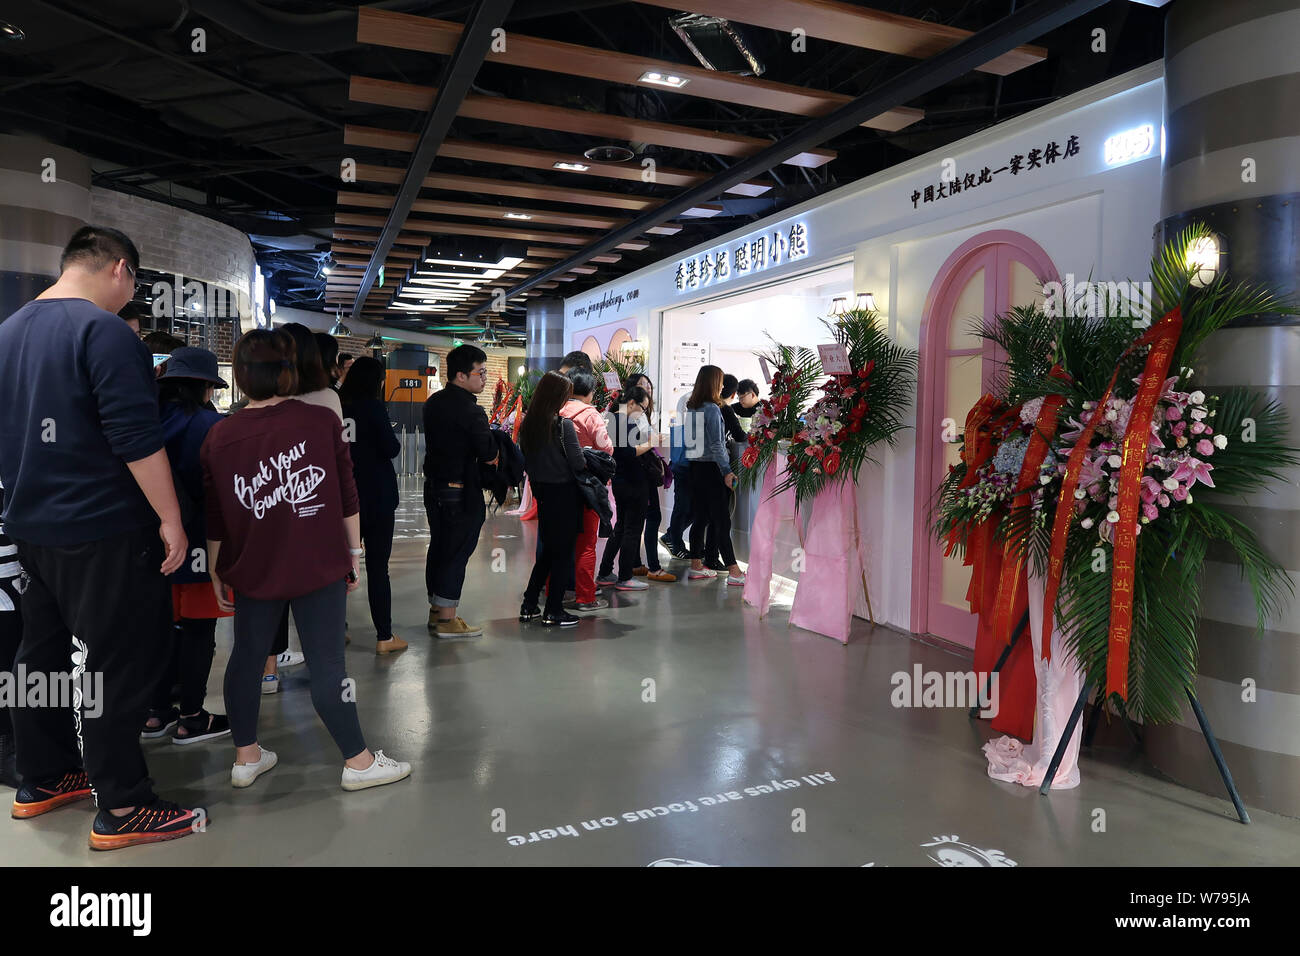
point(1059, 684)
point(772, 510)
point(832, 574)
point(527, 510)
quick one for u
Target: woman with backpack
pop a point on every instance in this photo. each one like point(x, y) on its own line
point(374, 446)
point(185, 395)
point(553, 457)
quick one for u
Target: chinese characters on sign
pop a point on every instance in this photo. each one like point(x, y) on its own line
point(753, 254)
point(954, 184)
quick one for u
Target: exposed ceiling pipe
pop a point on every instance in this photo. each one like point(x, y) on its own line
point(958, 60)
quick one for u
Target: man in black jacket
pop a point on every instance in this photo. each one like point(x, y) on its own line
point(457, 438)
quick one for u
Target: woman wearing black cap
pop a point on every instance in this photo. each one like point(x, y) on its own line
point(185, 395)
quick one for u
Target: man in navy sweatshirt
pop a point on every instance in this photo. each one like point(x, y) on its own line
point(90, 505)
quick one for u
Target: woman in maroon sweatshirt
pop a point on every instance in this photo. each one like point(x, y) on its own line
point(283, 528)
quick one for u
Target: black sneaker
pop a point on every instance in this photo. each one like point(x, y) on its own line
point(715, 565)
point(202, 726)
point(32, 799)
point(529, 611)
point(563, 619)
point(167, 721)
point(159, 821)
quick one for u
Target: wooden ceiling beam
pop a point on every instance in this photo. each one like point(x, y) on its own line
point(441, 228)
point(604, 126)
point(480, 211)
point(853, 25)
point(398, 141)
point(426, 35)
point(451, 182)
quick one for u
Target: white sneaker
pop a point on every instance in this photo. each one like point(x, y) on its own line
point(735, 580)
point(243, 774)
point(694, 575)
point(290, 657)
point(631, 584)
point(383, 770)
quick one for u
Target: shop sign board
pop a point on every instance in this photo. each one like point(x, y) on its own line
point(953, 183)
point(1130, 145)
point(786, 242)
point(835, 359)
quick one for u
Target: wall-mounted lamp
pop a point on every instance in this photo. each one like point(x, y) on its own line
point(838, 305)
point(866, 302)
point(1203, 258)
point(519, 370)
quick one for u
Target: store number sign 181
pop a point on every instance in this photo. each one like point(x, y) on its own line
point(753, 254)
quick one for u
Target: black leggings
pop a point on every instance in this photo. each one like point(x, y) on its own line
point(319, 616)
point(11, 630)
point(195, 643)
point(377, 536)
point(712, 510)
point(559, 516)
point(653, 518)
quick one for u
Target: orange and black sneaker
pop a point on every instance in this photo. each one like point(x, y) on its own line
point(32, 799)
point(158, 821)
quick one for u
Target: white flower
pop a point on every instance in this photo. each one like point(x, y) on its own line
point(1045, 479)
point(1113, 502)
point(1146, 520)
point(1169, 484)
point(1080, 494)
point(1220, 441)
point(1114, 461)
point(1189, 497)
point(1197, 397)
point(1113, 517)
point(1087, 523)
point(1112, 415)
point(1198, 414)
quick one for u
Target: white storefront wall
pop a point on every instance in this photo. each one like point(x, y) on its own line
point(1094, 219)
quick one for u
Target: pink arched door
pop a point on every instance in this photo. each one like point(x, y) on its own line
point(985, 276)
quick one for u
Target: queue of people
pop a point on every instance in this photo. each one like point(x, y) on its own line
point(136, 516)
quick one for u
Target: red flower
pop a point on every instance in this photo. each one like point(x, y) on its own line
point(749, 457)
point(769, 433)
point(832, 462)
point(856, 426)
point(816, 451)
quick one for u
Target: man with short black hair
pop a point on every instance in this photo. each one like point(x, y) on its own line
point(88, 496)
point(131, 313)
point(576, 360)
point(746, 401)
point(457, 439)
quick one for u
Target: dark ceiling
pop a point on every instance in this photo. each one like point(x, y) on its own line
point(250, 131)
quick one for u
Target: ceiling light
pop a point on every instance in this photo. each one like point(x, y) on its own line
point(664, 79)
point(11, 32)
point(609, 154)
point(325, 270)
point(572, 167)
point(518, 215)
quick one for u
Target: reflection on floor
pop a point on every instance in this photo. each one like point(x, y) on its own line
point(675, 729)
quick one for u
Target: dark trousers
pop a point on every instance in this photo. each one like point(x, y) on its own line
point(653, 518)
point(103, 609)
point(681, 516)
point(559, 518)
point(11, 631)
point(712, 509)
point(281, 642)
point(319, 617)
point(626, 541)
point(195, 643)
point(377, 536)
point(456, 516)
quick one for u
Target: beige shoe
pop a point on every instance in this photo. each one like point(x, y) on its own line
point(457, 627)
point(391, 646)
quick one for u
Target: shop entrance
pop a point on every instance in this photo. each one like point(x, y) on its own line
point(987, 275)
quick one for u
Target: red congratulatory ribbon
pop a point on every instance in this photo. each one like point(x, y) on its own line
point(1163, 338)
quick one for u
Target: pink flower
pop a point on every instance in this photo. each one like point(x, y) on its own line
point(1205, 447)
point(1150, 511)
point(1029, 412)
point(1179, 430)
point(1150, 488)
point(1192, 470)
point(1173, 413)
point(1180, 493)
point(1163, 500)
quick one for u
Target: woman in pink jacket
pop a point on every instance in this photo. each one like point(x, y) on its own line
point(592, 433)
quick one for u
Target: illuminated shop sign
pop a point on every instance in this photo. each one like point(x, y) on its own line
point(747, 257)
point(1130, 145)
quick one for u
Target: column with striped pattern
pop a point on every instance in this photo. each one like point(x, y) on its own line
point(44, 199)
point(545, 318)
point(1232, 160)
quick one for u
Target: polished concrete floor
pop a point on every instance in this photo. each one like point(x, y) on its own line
point(533, 747)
